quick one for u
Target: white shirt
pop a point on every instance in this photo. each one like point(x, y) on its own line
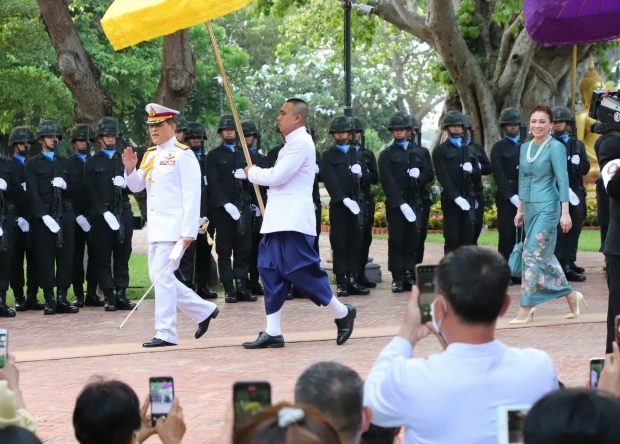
point(290, 181)
point(173, 193)
point(453, 397)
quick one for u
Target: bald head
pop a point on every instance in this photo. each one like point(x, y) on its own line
point(299, 107)
point(293, 115)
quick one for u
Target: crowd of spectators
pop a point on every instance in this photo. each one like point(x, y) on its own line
point(451, 397)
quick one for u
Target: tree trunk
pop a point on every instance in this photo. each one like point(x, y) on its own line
point(178, 71)
point(81, 76)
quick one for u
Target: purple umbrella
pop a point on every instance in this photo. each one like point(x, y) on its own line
point(572, 22)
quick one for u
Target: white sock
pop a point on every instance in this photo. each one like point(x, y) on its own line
point(273, 324)
point(337, 308)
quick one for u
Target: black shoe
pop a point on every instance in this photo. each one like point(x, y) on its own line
point(5, 311)
point(156, 342)
point(345, 325)
point(397, 286)
point(265, 341)
point(515, 280)
point(204, 325)
point(290, 296)
point(408, 280)
point(572, 276)
point(205, 293)
point(243, 294)
point(32, 303)
point(577, 269)
point(356, 289)
point(122, 303)
point(230, 297)
point(78, 291)
point(110, 300)
point(342, 290)
point(63, 305)
point(92, 300)
point(50, 302)
point(365, 282)
point(257, 289)
point(20, 303)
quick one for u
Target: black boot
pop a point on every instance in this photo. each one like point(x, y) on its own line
point(408, 280)
point(78, 291)
point(255, 287)
point(20, 301)
point(92, 300)
point(5, 311)
point(572, 276)
point(354, 288)
point(50, 302)
point(205, 293)
point(342, 286)
point(243, 294)
point(32, 302)
point(576, 268)
point(397, 284)
point(230, 294)
point(110, 300)
point(122, 303)
point(365, 282)
point(62, 304)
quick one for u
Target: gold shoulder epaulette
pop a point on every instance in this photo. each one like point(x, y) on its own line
point(152, 148)
point(180, 145)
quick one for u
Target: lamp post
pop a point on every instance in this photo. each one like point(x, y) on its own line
point(220, 84)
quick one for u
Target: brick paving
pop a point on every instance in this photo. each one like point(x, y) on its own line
point(204, 377)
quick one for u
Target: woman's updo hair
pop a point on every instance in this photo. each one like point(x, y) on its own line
point(543, 109)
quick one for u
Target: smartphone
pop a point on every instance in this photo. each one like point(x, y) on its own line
point(161, 389)
point(596, 367)
point(618, 330)
point(4, 347)
point(250, 398)
point(510, 423)
point(425, 279)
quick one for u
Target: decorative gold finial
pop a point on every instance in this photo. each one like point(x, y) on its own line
point(152, 112)
point(590, 82)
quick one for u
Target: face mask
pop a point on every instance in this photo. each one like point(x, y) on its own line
point(436, 325)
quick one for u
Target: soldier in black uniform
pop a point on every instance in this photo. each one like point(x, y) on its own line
point(485, 169)
point(49, 193)
point(458, 172)
point(181, 131)
point(81, 136)
point(195, 266)
point(578, 166)
point(20, 140)
point(404, 172)
point(112, 218)
point(370, 176)
point(342, 172)
point(231, 212)
point(505, 166)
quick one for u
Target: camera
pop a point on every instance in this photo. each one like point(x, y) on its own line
point(605, 109)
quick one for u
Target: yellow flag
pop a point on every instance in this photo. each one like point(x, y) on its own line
point(128, 22)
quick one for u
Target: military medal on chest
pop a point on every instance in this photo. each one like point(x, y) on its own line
point(168, 159)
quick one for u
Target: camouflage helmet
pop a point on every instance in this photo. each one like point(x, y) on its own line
point(181, 123)
point(468, 122)
point(48, 128)
point(108, 125)
point(196, 130)
point(452, 118)
point(21, 134)
point(358, 125)
point(226, 121)
point(82, 132)
point(415, 125)
point(509, 116)
point(399, 120)
point(562, 114)
point(249, 129)
point(340, 124)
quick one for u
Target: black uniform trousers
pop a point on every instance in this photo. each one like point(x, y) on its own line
point(24, 245)
point(82, 244)
point(345, 238)
point(253, 266)
point(602, 205)
point(458, 229)
point(109, 247)
point(369, 220)
point(49, 256)
point(403, 238)
point(613, 307)
point(185, 272)
point(479, 217)
point(7, 255)
point(506, 213)
point(230, 241)
point(426, 213)
point(318, 216)
point(567, 243)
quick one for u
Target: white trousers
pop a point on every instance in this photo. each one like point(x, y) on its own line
point(171, 294)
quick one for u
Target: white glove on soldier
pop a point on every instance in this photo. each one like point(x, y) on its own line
point(256, 211)
point(467, 167)
point(232, 210)
point(575, 159)
point(462, 203)
point(408, 212)
point(177, 251)
point(572, 198)
point(351, 205)
point(24, 185)
point(59, 182)
point(51, 223)
point(205, 179)
point(111, 220)
point(3, 184)
point(515, 200)
point(201, 224)
point(316, 169)
point(414, 172)
point(239, 174)
point(23, 224)
point(356, 169)
point(83, 222)
point(119, 181)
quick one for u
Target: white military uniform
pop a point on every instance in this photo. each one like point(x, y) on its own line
point(173, 207)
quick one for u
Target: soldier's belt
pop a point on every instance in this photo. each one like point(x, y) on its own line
point(66, 206)
point(112, 206)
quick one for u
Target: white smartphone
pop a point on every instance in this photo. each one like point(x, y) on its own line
point(510, 421)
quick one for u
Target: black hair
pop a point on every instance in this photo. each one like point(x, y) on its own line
point(475, 282)
point(336, 391)
point(18, 435)
point(573, 416)
point(300, 107)
point(379, 435)
point(106, 412)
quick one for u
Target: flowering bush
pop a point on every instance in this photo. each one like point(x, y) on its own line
point(380, 218)
point(435, 220)
point(591, 219)
point(490, 217)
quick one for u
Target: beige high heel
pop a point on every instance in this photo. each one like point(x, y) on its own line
point(530, 318)
point(579, 300)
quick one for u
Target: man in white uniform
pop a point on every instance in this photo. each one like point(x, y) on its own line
point(171, 175)
point(286, 255)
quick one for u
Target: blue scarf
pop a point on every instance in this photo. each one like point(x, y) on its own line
point(467, 141)
point(198, 154)
point(514, 139)
point(109, 153)
point(357, 147)
point(20, 159)
point(49, 155)
point(254, 150)
point(229, 146)
point(456, 141)
point(82, 157)
point(404, 144)
point(343, 148)
point(564, 138)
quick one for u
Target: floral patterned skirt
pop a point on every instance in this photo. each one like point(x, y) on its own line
point(542, 278)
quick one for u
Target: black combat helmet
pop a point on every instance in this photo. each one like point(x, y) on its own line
point(453, 118)
point(562, 114)
point(509, 116)
point(21, 134)
point(108, 126)
point(82, 132)
point(226, 121)
point(358, 124)
point(48, 128)
point(399, 120)
point(249, 129)
point(340, 124)
point(181, 123)
point(196, 130)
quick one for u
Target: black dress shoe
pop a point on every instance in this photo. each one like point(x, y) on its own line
point(32, 302)
point(230, 297)
point(63, 305)
point(397, 286)
point(92, 300)
point(408, 280)
point(205, 293)
point(243, 294)
point(356, 289)
point(365, 282)
point(289, 296)
point(265, 341)
point(20, 303)
point(576, 269)
point(345, 325)
point(79, 296)
point(110, 300)
point(122, 303)
point(342, 290)
point(50, 302)
point(257, 289)
point(5, 311)
point(572, 276)
point(156, 342)
point(204, 325)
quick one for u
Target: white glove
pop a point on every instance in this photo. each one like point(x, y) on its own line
point(575, 159)
point(51, 223)
point(572, 198)
point(479, 166)
point(351, 205)
point(59, 182)
point(515, 200)
point(205, 179)
point(408, 212)
point(119, 181)
point(256, 211)
point(239, 174)
point(476, 205)
point(177, 251)
point(232, 210)
point(316, 169)
point(467, 167)
point(111, 220)
point(356, 169)
point(24, 185)
point(3, 184)
point(462, 203)
point(83, 222)
point(1, 231)
point(414, 172)
point(23, 224)
point(201, 224)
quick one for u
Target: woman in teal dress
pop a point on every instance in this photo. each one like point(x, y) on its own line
point(543, 201)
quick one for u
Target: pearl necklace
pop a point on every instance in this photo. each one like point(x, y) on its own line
point(544, 143)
